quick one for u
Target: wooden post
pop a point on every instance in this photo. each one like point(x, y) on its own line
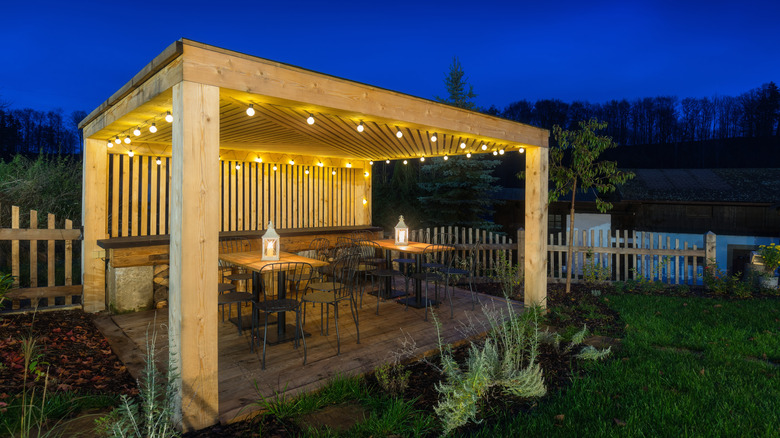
point(94, 201)
point(520, 253)
point(710, 259)
point(535, 266)
point(194, 229)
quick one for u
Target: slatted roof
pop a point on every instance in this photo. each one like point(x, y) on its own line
point(291, 95)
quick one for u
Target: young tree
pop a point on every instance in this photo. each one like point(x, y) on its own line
point(456, 84)
point(574, 164)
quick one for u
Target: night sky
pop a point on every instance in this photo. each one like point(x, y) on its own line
point(73, 55)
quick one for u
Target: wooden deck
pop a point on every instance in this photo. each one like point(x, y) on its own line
point(240, 375)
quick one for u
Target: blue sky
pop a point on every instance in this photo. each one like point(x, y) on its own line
point(74, 55)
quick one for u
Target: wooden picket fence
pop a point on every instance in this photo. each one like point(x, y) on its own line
point(34, 256)
point(492, 245)
point(629, 255)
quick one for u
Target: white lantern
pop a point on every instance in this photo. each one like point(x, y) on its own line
point(270, 243)
point(401, 233)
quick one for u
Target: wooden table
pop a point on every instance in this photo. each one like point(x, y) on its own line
point(416, 248)
point(251, 260)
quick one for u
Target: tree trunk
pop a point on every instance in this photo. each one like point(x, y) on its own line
point(569, 258)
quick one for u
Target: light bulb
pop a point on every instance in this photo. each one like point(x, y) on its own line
point(365, 173)
point(118, 140)
point(468, 155)
point(109, 144)
point(127, 140)
point(365, 201)
point(159, 161)
point(251, 110)
point(500, 152)
point(399, 134)
point(321, 164)
point(387, 161)
point(422, 158)
point(370, 163)
point(168, 117)
point(274, 166)
point(446, 158)
point(130, 153)
point(521, 150)
point(292, 162)
point(405, 161)
point(484, 147)
point(333, 172)
point(306, 171)
point(360, 127)
point(153, 128)
point(434, 138)
point(238, 167)
point(136, 131)
point(463, 145)
point(349, 165)
point(259, 160)
point(310, 119)
point(495, 152)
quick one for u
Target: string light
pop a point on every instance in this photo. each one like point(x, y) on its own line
point(371, 163)
point(365, 173)
point(118, 140)
point(306, 171)
point(130, 153)
point(446, 158)
point(360, 127)
point(159, 161)
point(251, 110)
point(274, 166)
point(333, 172)
point(495, 152)
point(387, 161)
point(168, 117)
point(310, 119)
point(422, 158)
point(365, 201)
point(405, 161)
point(468, 155)
point(238, 167)
point(500, 152)
point(484, 147)
point(434, 138)
point(349, 165)
point(399, 134)
point(463, 145)
point(109, 144)
point(292, 162)
point(153, 128)
point(259, 160)
point(136, 131)
point(127, 139)
point(521, 150)
point(321, 164)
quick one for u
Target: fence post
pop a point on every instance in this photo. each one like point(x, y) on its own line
point(709, 250)
point(520, 252)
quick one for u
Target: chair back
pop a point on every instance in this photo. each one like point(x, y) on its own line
point(472, 257)
point(369, 250)
point(296, 280)
point(345, 271)
point(233, 244)
point(435, 259)
point(319, 248)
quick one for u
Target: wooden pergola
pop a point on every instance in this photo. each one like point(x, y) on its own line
point(207, 91)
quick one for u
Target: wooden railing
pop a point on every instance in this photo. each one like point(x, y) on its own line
point(492, 245)
point(633, 255)
point(41, 261)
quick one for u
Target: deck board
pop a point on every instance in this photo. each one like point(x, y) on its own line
point(240, 373)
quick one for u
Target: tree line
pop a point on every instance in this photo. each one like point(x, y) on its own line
point(661, 119)
point(28, 131)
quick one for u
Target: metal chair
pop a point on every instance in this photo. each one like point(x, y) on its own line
point(370, 265)
point(229, 295)
point(276, 297)
point(332, 293)
point(230, 245)
point(437, 263)
point(318, 249)
point(468, 268)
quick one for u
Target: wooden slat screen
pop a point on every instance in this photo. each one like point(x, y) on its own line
point(252, 194)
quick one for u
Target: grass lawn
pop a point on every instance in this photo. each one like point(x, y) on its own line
point(687, 367)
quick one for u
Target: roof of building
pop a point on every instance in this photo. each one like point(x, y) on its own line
point(704, 185)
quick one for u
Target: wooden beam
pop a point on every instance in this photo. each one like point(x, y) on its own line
point(194, 226)
point(94, 204)
point(535, 265)
point(316, 92)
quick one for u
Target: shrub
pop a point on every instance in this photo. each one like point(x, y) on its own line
point(594, 273)
point(771, 255)
point(506, 274)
